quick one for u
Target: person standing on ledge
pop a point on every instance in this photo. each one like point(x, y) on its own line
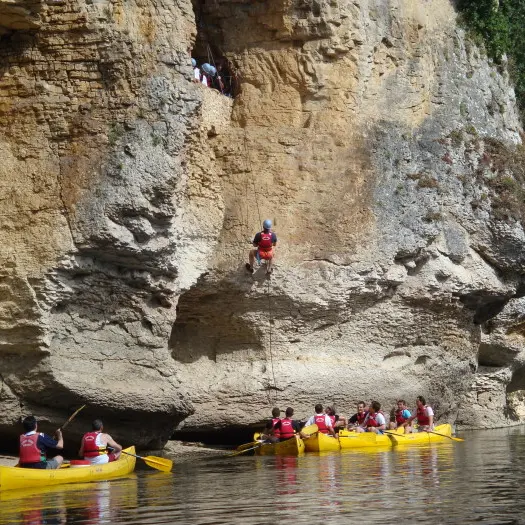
point(34, 446)
point(264, 243)
point(95, 445)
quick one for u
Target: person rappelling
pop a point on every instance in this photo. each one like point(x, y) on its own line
point(264, 243)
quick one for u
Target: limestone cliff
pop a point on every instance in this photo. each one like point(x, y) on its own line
point(377, 138)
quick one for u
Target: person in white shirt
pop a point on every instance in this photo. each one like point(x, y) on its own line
point(323, 422)
point(95, 445)
point(424, 415)
point(374, 421)
point(196, 71)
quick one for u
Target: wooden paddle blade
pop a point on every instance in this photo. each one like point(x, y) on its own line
point(162, 464)
point(310, 429)
point(72, 417)
point(245, 450)
point(445, 436)
point(247, 445)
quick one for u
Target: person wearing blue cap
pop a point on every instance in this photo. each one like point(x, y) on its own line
point(264, 243)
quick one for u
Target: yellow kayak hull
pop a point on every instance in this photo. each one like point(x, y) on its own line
point(350, 440)
point(291, 447)
point(423, 438)
point(319, 442)
point(12, 478)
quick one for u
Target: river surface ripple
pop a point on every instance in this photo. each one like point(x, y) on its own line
point(478, 481)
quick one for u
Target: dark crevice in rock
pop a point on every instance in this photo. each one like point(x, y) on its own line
point(486, 306)
point(231, 436)
point(493, 355)
point(518, 380)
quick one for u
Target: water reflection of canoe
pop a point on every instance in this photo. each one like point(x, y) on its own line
point(423, 437)
point(351, 440)
point(319, 442)
point(291, 447)
point(17, 478)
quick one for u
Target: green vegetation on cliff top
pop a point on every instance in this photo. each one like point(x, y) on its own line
point(500, 26)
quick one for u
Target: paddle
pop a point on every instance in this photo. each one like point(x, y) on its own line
point(310, 429)
point(162, 464)
point(247, 445)
point(394, 433)
point(71, 418)
point(429, 431)
point(445, 436)
point(247, 449)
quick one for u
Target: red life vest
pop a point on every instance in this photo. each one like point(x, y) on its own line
point(276, 431)
point(265, 244)
point(287, 430)
point(319, 420)
point(332, 420)
point(372, 421)
point(361, 416)
point(422, 417)
point(91, 449)
point(29, 451)
point(399, 418)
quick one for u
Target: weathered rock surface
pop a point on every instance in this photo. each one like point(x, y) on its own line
point(365, 129)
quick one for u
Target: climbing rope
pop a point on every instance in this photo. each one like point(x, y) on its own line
point(270, 315)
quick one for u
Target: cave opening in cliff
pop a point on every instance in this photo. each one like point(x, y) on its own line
point(209, 49)
point(231, 436)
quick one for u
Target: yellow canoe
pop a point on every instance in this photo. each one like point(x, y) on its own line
point(319, 442)
point(291, 447)
point(20, 478)
point(423, 437)
point(351, 440)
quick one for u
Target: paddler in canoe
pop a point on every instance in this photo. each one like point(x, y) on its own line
point(34, 446)
point(95, 445)
point(287, 427)
point(424, 415)
point(401, 416)
point(374, 421)
point(323, 422)
point(337, 421)
point(359, 417)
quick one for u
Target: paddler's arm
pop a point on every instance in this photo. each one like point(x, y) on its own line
point(59, 439)
point(113, 444)
point(408, 421)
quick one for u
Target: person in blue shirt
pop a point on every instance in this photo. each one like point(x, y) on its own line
point(264, 243)
point(401, 414)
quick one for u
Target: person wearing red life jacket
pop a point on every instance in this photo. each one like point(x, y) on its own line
point(374, 421)
point(94, 446)
point(270, 433)
point(323, 422)
point(288, 427)
point(359, 417)
point(264, 243)
point(401, 414)
point(34, 446)
point(337, 421)
point(424, 415)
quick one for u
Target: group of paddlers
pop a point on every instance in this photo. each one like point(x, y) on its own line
point(366, 419)
point(96, 446)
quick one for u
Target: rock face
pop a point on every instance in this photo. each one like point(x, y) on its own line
point(372, 133)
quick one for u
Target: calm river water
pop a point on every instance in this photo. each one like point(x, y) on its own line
point(479, 481)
